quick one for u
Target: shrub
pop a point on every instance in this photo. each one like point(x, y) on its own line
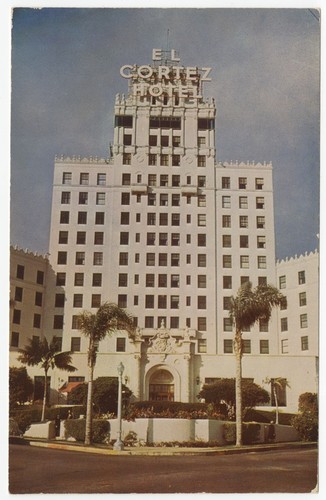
point(171, 409)
point(250, 433)
point(306, 422)
point(76, 428)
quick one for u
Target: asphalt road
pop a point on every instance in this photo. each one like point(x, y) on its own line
point(39, 470)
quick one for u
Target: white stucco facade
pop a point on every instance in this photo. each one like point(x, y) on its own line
point(166, 231)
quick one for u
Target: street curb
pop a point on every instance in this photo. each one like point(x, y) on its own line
point(148, 451)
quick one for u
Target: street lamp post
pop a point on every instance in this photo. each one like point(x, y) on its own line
point(118, 445)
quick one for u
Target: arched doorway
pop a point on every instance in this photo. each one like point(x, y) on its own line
point(161, 386)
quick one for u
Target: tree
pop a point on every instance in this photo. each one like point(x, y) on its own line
point(246, 308)
point(108, 319)
point(20, 386)
point(277, 384)
point(40, 352)
point(222, 393)
point(306, 422)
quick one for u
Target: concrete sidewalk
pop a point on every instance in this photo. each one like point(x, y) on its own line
point(159, 451)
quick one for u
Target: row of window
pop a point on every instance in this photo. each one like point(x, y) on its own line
point(164, 180)
point(84, 178)
point(301, 279)
point(303, 322)
point(304, 341)
point(16, 318)
point(228, 326)
point(302, 299)
point(243, 241)
point(162, 280)
point(244, 261)
point(242, 183)
point(80, 258)
point(243, 202)
point(162, 219)
point(243, 221)
point(82, 217)
point(162, 259)
point(162, 301)
point(19, 296)
point(246, 345)
point(164, 140)
point(82, 198)
point(98, 238)
point(79, 279)
point(20, 273)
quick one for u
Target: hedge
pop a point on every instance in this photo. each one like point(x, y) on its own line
point(76, 428)
point(171, 409)
point(33, 414)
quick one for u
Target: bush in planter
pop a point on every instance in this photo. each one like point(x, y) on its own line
point(171, 409)
point(250, 431)
point(76, 428)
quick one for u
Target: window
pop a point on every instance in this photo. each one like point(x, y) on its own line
point(175, 259)
point(264, 346)
point(84, 178)
point(201, 141)
point(124, 218)
point(126, 179)
point(206, 123)
point(201, 181)
point(18, 294)
point(243, 202)
point(176, 160)
point(262, 262)
point(284, 304)
point(244, 241)
point(61, 279)
point(175, 200)
point(259, 183)
point(150, 280)
point(176, 140)
point(243, 221)
point(226, 220)
point(122, 300)
point(96, 300)
point(62, 258)
point(126, 159)
point(101, 179)
point(63, 237)
point(175, 279)
point(260, 202)
point(302, 299)
point(244, 261)
point(227, 325)
point(37, 321)
point(79, 279)
point(151, 219)
point(16, 316)
point(149, 322)
point(152, 140)
point(75, 344)
point(83, 198)
point(285, 346)
point(166, 122)
point(78, 300)
point(246, 346)
point(98, 238)
point(201, 280)
point(164, 140)
point(80, 258)
point(261, 241)
point(163, 239)
point(81, 238)
point(244, 279)
point(164, 219)
point(226, 303)
point(100, 198)
point(123, 279)
point(127, 139)
point(20, 271)
point(82, 218)
point(262, 280)
point(164, 160)
point(75, 323)
point(174, 302)
point(304, 343)
point(149, 301)
point(150, 238)
point(121, 344)
point(263, 325)
point(201, 161)
point(227, 282)
point(226, 201)
point(175, 180)
point(152, 159)
point(175, 219)
point(99, 218)
point(164, 179)
point(188, 219)
point(65, 198)
point(228, 346)
point(226, 182)
point(226, 241)
point(284, 324)
point(201, 260)
point(301, 277)
point(242, 182)
point(202, 324)
point(162, 259)
point(152, 179)
point(175, 239)
point(124, 238)
point(150, 259)
point(201, 240)
point(38, 298)
point(57, 322)
point(202, 346)
point(14, 339)
point(162, 302)
point(303, 320)
point(98, 259)
point(282, 282)
point(162, 280)
point(40, 277)
point(97, 279)
point(261, 222)
point(123, 259)
point(66, 178)
point(64, 217)
point(151, 199)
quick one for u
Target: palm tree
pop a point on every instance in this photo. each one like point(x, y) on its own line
point(281, 383)
point(40, 352)
point(246, 308)
point(108, 318)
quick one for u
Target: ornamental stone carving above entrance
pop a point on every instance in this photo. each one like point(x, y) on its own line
point(162, 342)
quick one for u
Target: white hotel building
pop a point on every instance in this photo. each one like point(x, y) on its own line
point(164, 230)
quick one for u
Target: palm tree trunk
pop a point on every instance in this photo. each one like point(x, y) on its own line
point(276, 406)
point(89, 405)
point(45, 395)
point(238, 381)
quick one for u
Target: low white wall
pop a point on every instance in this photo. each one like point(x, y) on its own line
point(44, 430)
point(157, 430)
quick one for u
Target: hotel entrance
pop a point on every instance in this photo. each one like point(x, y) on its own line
point(161, 386)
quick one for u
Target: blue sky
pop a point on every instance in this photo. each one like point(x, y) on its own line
point(265, 80)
